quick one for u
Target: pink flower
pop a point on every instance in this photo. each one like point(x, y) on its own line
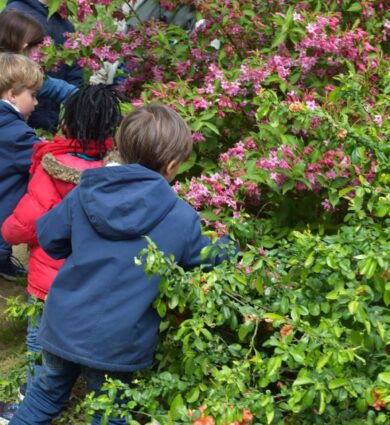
point(220, 228)
point(297, 17)
point(379, 120)
point(198, 137)
point(201, 103)
point(327, 205)
point(311, 104)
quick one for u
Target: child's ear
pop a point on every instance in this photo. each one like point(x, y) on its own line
point(9, 95)
point(169, 171)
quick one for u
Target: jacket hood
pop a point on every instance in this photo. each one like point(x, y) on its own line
point(126, 201)
point(34, 4)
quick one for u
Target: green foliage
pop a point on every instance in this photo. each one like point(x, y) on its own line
point(300, 333)
point(291, 130)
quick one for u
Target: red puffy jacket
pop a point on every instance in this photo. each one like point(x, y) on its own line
point(55, 173)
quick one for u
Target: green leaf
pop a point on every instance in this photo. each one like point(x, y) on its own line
point(297, 356)
point(177, 408)
point(322, 406)
point(323, 361)
point(355, 7)
point(353, 306)
point(187, 165)
point(273, 366)
point(273, 316)
point(72, 7)
point(382, 211)
point(53, 6)
point(344, 191)
point(337, 383)
point(288, 186)
point(309, 260)
point(381, 330)
point(384, 377)
point(193, 395)
point(208, 115)
point(244, 330)
point(302, 381)
point(161, 308)
point(212, 127)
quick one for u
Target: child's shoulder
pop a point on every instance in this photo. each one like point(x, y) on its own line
point(12, 122)
point(184, 212)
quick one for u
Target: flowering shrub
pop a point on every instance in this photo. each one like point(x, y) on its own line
point(288, 106)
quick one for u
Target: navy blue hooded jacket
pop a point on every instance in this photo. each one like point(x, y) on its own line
point(16, 143)
point(46, 113)
point(99, 309)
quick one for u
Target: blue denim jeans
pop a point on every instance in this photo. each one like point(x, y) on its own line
point(51, 390)
point(33, 346)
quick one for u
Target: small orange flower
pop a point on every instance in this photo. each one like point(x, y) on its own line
point(204, 420)
point(286, 330)
point(295, 107)
point(342, 134)
point(246, 416)
point(379, 404)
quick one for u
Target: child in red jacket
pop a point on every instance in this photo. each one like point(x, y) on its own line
point(90, 118)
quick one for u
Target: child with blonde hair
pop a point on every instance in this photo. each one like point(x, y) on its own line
point(20, 80)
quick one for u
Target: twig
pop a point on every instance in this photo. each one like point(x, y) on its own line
point(128, 2)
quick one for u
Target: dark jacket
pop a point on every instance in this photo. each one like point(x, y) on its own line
point(46, 113)
point(16, 142)
point(99, 309)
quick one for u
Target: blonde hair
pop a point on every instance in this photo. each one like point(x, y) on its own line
point(18, 72)
point(153, 136)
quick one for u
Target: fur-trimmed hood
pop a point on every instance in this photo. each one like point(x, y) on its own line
point(68, 168)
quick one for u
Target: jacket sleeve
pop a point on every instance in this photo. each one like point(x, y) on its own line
point(54, 229)
point(41, 196)
point(197, 241)
point(57, 90)
point(23, 149)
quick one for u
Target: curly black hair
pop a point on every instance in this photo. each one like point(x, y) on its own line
point(92, 114)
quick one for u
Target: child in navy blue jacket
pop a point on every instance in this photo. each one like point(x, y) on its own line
point(98, 318)
point(20, 79)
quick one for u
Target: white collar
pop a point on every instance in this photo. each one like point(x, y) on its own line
point(9, 103)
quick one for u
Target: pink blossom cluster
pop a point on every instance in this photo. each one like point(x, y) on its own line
point(84, 8)
point(228, 190)
point(322, 39)
point(225, 190)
